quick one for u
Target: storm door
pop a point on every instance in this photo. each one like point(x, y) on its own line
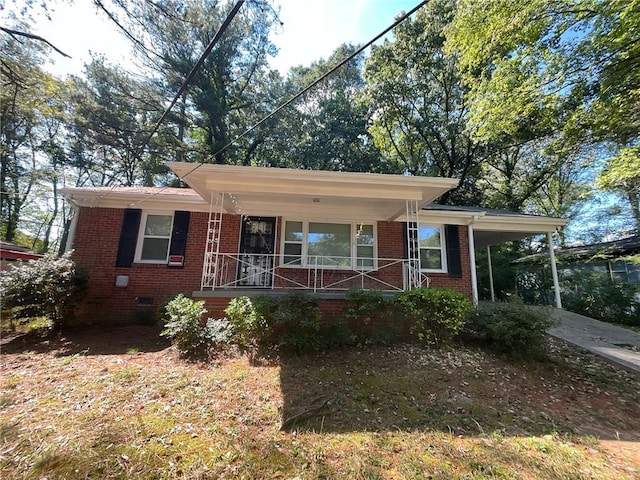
point(256, 255)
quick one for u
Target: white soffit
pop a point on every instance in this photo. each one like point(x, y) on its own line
point(311, 193)
point(496, 229)
point(146, 198)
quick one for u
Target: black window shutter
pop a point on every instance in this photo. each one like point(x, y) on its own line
point(452, 240)
point(180, 232)
point(405, 237)
point(128, 237)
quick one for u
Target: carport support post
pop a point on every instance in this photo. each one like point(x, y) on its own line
point(493, 293)
point(472, 266)
point(554, 271)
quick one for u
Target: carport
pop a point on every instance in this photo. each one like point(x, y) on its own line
point(488, 227)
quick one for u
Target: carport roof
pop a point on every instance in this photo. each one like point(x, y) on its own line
point(492, 227)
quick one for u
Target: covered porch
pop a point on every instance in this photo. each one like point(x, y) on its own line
point(311, 230)
point(329, 232)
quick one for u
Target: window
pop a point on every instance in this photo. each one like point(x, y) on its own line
point(364, 246)
point(293, 235)
point(431, 248)
point(328, 245)
point(155, 237)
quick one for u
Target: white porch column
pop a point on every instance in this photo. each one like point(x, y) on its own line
point(493, 293)
point(554, 271)
point(472, 265)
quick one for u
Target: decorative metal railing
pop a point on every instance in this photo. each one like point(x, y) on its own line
point(320, 274)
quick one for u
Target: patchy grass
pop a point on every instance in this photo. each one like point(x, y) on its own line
point(120, 404)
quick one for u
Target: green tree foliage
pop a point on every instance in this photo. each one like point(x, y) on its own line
point(621, 175)
point(419, 103)
point(559, 69)
point(33, 119)
point(113, 114)
point(226, 94)
point(327, 128)
point(20, 102)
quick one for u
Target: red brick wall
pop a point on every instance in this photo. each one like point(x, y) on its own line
point(462, 284)
point(95, 247)
point(96, 244)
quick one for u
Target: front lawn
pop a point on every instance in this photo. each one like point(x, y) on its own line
point(120, 404)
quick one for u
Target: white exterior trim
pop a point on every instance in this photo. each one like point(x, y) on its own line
point(443, 249)
point(141, 236)
point(305, 244)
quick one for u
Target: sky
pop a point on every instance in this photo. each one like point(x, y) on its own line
point(312, 30)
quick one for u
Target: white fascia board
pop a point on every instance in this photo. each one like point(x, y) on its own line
point(523, 223)
point(426, 217)
point(239, 179)
point(160, 201)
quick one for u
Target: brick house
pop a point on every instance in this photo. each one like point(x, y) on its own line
point(249, 230)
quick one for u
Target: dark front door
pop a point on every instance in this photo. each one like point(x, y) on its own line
point(255, 259)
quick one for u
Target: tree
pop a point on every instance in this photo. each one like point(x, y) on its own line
point(568, 69)
point(419, 103)
point(20, 102)
point(326, 128)
point(224, 97)
point(113, 113)
point(621, 175)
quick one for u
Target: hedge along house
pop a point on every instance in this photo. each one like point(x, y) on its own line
point(248, 230)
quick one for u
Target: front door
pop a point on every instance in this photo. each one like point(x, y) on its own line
point(256, 254)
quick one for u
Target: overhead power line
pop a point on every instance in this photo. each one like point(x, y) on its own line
point(303, 91)
point(187, 80)
point(194, 70)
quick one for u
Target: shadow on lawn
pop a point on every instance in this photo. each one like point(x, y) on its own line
point(407, 388)
point(90, 340)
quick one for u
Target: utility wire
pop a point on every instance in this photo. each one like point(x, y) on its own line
point(302, 92)
point(190, 76)
point(193, 71)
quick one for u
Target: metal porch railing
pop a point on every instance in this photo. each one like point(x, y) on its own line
point(320, 274)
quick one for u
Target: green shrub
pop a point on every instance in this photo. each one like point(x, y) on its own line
point(511, 327)
point(594, 295)
point(194, 338)
point(50, 287)
point(436, 314)
point(367, 313)
point(296, 323)
point(365, 305)
point(289, 323)
point(250, 330)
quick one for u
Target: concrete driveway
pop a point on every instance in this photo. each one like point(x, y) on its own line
point(616, 344)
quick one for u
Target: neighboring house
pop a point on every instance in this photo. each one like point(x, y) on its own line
point(609, 258)
point(10, 253)
point(248, 230)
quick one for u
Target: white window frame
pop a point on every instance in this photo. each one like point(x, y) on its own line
point(443, 249)
point(353, 247)
point(142, 236)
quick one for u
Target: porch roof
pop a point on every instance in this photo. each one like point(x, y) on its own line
point(311, 193)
